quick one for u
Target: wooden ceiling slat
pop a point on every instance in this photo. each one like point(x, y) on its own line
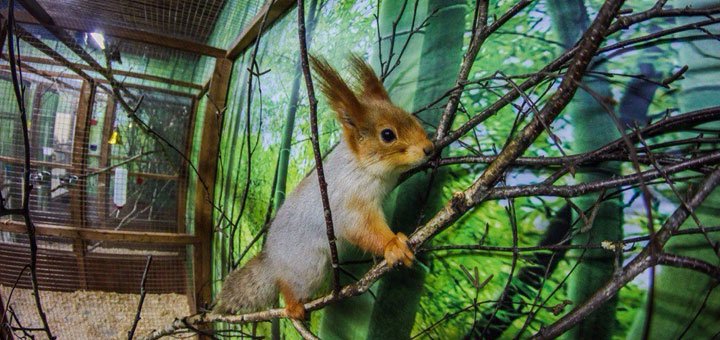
point(145, 15)
point(128, 34)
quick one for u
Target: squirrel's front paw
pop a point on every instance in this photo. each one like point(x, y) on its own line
point(397, 250)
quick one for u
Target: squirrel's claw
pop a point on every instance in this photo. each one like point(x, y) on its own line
point(397, 250)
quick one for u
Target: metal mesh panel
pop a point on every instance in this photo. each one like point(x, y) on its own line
point(187, 19)
point(83, 143)
point(103, 285)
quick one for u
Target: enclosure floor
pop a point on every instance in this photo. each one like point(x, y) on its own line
point(95, 315)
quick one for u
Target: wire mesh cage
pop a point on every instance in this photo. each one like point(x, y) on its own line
point(108, 171)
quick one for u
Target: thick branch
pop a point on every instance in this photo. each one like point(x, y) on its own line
point(560, 62)
point(474, 195)
point(584, 188)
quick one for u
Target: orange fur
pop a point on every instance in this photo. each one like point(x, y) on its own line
point(293, 307)
point(371, 85)
point(360, 173)
point(372, 234)
point(342, 99)
point(364, 116)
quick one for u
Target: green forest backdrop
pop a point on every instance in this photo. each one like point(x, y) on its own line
point(418, 47)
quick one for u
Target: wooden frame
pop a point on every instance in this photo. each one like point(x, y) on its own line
point(144, 76)
point(108, 235)
point(19, 161)
point(207, 170)
point(52, 75)
point(104, 177)
point(78, 192)
point(216, 89)
point(183, 176)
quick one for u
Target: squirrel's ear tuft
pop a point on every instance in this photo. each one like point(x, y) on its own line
point(339, 95)
point(342, 99)
point(371, 85)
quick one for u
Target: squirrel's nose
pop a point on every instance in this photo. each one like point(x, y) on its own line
point(428, 150)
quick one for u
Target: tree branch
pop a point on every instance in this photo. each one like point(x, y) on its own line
point(646, 259)
point(316, 147)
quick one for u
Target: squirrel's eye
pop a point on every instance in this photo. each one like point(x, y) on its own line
point(387, 135)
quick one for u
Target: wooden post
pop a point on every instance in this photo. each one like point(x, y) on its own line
point(182, 201)
point(207, 169)
point(104, 177)
point(78, 191)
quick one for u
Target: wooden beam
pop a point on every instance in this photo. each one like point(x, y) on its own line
point(182, 200)
point(107, 235)
point(169, 81)
point(78, 191)
point(151, 88)
point(207, 169)
point(53, 75)
point(274, 10)
point(40, 90)
point(204, 89)
point(81, 25)
point(70, 43)
point(34, 163)
point(27, 68)
point(79, 152)
point(38, 11)
point(103, 181)
point(44, 48)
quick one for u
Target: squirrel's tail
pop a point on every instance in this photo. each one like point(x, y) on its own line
point(248, 289)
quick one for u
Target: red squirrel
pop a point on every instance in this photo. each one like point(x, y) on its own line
point(380, 141)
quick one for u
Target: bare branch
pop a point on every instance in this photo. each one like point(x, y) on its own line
point(316, 147)
point(647, 258)
point(131, 332)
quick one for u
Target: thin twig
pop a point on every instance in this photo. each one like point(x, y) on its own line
point(647, 258)
point(316, 147)
point(131, 332)
point(16, 74)
point(303, 331)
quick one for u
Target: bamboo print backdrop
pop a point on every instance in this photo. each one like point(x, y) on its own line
point(464, 306)
point(521, 212)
